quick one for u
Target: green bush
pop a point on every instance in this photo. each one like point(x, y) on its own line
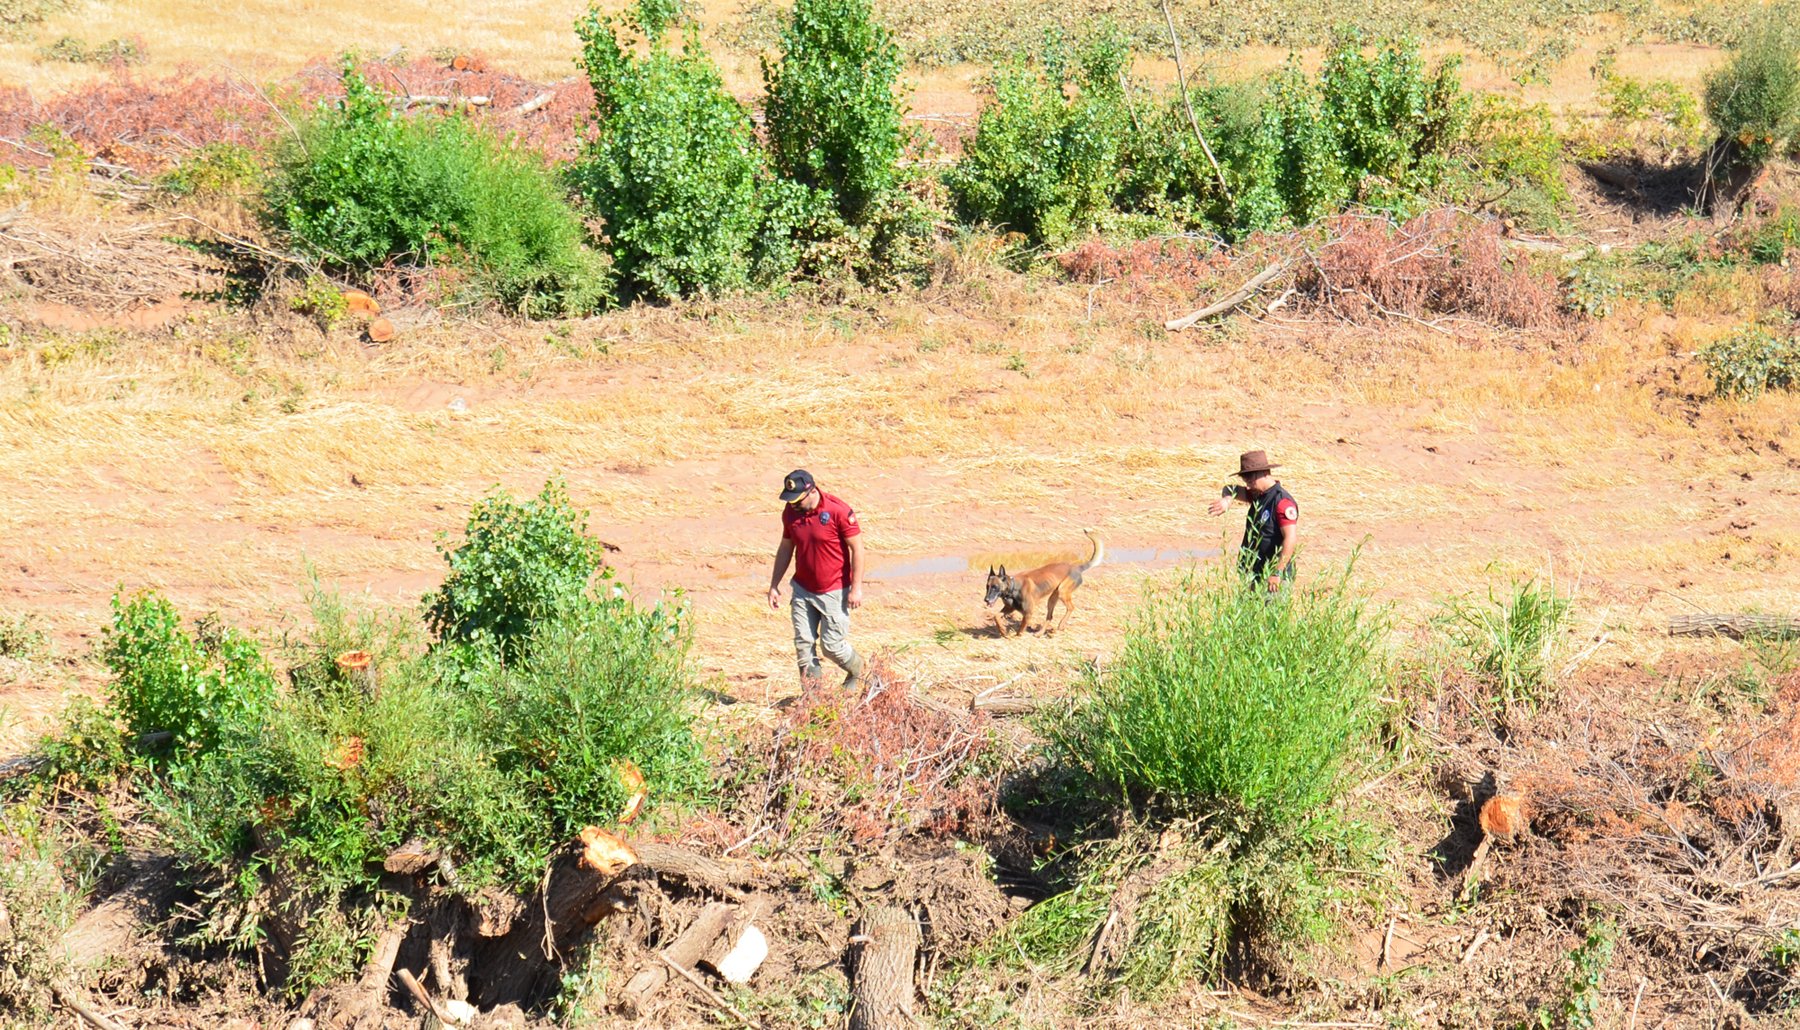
point(1513, 641)
point(1751, 361)
point(167, 680)
point(602, 682)
point(214, 170)
point(1755, 98)
point(1510, 159)
point(672, 164)
point(1041, 162)
point(1220, 698)
point(361, 186)
point(1377, 128)
point(832, 117)
point(518, 563)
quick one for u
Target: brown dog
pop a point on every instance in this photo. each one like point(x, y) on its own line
point(1046, 586)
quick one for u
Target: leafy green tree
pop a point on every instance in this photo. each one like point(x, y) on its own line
point(833, 118)
point(1754, 99)
point(672, 163)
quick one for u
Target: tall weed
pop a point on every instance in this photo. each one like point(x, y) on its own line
point(1221, 698)
point(1512, 640)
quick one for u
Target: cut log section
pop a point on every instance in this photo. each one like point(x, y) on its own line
point(113, 927)
point(884, 945)
point(690, 947)
point(1737, 627)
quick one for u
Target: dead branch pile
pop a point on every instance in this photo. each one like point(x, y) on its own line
point(1442, 263)
point(1694, 838)
point(890, 764)
point(100, 266)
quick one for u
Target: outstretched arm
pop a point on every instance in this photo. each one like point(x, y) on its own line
point(1229, 496)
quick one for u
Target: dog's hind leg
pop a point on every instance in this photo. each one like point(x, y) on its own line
point(1066, 594)
point(1050, 610)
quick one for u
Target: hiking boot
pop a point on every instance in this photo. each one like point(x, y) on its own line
point(855, 671)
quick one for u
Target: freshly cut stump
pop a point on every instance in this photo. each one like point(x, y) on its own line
point(884, 946)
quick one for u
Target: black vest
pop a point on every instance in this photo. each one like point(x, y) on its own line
point(1262, 534)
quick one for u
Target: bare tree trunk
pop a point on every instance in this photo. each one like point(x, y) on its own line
point(884, 945)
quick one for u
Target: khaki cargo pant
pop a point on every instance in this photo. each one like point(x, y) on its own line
point(823, 620)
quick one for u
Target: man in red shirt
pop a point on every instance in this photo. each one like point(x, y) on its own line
point(819, 535)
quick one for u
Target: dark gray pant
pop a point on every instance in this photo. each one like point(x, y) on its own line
point(823, 620)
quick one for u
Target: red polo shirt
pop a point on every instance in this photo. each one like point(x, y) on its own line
point(821, 556)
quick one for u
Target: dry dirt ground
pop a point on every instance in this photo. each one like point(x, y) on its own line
point(988, 420)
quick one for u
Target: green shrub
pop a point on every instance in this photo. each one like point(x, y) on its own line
point(1512, 641)
point(1655, 113)
point(518, 563)
point(1580, 1006)
point(1377, 128)
point(198, 690)
point(1041, 162)
point(602, 682)
point(672, 164)
point(1751, 361)
point(21, 639)
point(1755, 98)
point(1219, 698)
point(1510, 159)
point(361, 186)
point(214, 170)
point(832, 117)
point(40, 908)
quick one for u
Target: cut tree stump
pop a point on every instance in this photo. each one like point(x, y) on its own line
point(1737, 627)
point(884, 945)
point(690, 947)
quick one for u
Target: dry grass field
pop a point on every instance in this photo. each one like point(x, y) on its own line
point(987, 418)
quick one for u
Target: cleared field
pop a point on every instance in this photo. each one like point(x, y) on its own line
point(983, 419)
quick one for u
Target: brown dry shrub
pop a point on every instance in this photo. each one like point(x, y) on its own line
point(148, 125)
point(1441, 263)
point(1146, 269)
point(874, 764)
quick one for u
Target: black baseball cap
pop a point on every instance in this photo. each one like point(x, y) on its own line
point(795, 485)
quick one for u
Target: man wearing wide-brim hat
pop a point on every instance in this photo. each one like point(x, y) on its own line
point(1272, 527)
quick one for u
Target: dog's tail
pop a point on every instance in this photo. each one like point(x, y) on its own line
point(1098, 554)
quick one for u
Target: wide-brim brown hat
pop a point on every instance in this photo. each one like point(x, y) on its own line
point(1254, 461)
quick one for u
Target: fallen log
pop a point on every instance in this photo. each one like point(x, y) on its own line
point(1229, 301)
point(446, 101)
point(690, 947)
point(884, 945)
point(533, 104)
point(1006, 705)
point(721, 876)
point(1737, 627)
point(114, 926)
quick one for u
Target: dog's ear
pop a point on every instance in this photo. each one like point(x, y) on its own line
point(990, 570)
point(1002, 570)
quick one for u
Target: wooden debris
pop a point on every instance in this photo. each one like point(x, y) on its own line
point(1502, 816)
point(533, 104)
point(687, 949)
point(1229, 301)
point(411, 858)
point(1000, 704)
point(358, 667)
point(633, 779)
point(1737, 627)
point(356, 302)
point(884, 945)
point(1612, 175)
point(89, 1014)
point(110, 929)
point(381, 331)
point(606, 853)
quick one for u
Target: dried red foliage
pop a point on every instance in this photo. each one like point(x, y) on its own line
point(1441, 263)
point(147, 125)
point(1156, 269)
point(876, 763)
